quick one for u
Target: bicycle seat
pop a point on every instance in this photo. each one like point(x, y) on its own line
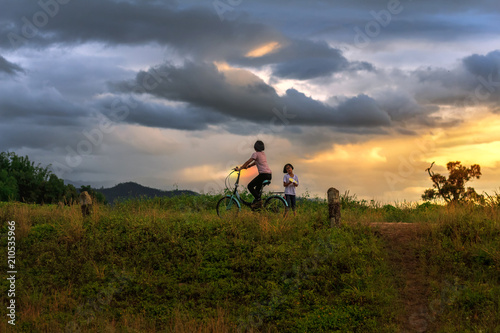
point(266, 182)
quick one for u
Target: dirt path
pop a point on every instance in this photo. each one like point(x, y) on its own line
point(413, 287)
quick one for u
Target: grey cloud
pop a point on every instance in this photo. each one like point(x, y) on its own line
point(405, 131)
point(432, 27)
point(475, 81)
point(484, 65)
point(46, 106)
point(198, 32)
point(303, 60)
point(401, 106)
point(431, 20)
point(194, 27)
point(305, 69)
point(18, 135)
point(203, 86)
point(209, 96)
point(358, 111)
point(77, 77)
point(362, 110)
point(154, 114)
point(9, 67)
point(38, 118)
point(195, 31)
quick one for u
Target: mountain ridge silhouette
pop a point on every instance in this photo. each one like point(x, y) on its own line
point(130, 190)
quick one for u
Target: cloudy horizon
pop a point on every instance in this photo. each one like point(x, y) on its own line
point(361, 96)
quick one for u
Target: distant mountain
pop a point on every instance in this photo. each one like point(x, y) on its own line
point(131, 190)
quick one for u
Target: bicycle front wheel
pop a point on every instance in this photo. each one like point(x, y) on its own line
point(227, 207)
point(276, 205)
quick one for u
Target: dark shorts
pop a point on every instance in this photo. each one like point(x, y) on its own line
point(290, 199)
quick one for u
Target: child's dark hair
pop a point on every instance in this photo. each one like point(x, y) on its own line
point(284, 168)
point(259, 146)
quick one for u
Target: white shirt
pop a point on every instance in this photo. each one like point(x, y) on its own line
point(290, 189)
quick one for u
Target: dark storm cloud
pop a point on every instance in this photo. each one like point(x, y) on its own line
point(195, 27)
point(195, 31)
point(363, 23)
point(209, 96)
point(304, 69)
point(303, 60)
point(413, 27)
point(44, 107)
point(484, 65)
point(211, 92)
point(156, 114)
point(31, 135)
point(9, 67)
point(204, 86)
point(37, 118)
point(474, 82)
point(401, 106)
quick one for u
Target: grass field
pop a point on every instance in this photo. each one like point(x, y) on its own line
point(171, 265)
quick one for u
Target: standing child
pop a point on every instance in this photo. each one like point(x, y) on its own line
point(259, 159)
point(290, 182)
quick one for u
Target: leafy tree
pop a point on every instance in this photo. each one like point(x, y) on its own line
point(452, 189)
point(29, 177)
point(70, 194)
point(22, 180)
point(8, 187)
point(52, 190)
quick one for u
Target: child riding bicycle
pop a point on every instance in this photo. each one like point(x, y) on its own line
point(259, 159)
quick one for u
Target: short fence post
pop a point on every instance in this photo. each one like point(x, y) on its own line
point(86, 203)
point(334, 207)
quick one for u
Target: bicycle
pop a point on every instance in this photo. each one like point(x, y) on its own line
point(230, 205)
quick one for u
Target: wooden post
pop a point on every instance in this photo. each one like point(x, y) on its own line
point(86, 203)
point(334, 207)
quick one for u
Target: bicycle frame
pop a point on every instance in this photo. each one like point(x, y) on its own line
point(236, 194)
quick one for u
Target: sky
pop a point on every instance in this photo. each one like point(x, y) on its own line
point(357, 95)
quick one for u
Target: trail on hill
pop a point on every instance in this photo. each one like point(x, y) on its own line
point(413, 287)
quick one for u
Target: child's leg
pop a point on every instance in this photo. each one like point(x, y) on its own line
point(255, 186)
point(290, 199)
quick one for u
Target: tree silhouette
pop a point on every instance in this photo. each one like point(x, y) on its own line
point(453, 190)
point(23, 180)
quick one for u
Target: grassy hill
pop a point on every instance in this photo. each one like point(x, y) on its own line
point(171, 265)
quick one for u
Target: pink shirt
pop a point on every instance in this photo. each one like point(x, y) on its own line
point(261, 162)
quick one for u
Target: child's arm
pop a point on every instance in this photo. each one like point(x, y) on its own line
point(286, 181)
point(246, 165)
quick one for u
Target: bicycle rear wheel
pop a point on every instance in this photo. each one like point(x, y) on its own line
point(227, 207)
point(276, 204)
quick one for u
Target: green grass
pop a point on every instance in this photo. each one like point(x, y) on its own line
point(171, 265)
point(462, 253)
